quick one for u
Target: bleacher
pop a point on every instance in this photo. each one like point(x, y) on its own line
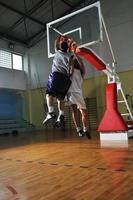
point(15, 126)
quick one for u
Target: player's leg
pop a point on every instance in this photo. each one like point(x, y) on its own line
point(60, 120)
point(82, 107)
point(84, 122)
point(75, 117)
point(50, 104)
point(63, 87)
point(72, 98)
point(50, 94)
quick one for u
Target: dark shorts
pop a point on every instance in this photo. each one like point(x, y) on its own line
point(58, 85)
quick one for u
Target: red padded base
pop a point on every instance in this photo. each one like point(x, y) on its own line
point(112, 120)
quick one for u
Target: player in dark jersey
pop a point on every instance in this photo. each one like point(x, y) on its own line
point(59, 81)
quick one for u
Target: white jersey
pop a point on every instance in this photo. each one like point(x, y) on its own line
point(61, 62)
point(75, 95)
point(76, 85)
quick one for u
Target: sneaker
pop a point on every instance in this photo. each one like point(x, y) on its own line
point(59, 123)
point(49, 117)
point(87, 134)
point(80, 133)
point(61, 120)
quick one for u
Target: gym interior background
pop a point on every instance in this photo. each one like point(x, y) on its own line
point(27, 39)
point(23, 40)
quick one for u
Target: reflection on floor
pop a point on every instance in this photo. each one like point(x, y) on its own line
point(61, 166)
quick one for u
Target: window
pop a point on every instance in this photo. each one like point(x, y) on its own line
point(10, 60)
point(17, 62)
point(5, 59)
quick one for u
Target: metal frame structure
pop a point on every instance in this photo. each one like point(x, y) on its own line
point(41, 32)
point(114, 78)
point(37, 36)
point(25, 15)
point(49, 25)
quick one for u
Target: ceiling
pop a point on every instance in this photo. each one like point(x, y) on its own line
point(24, 21)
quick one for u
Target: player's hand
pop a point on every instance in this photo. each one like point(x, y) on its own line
point(73, 46)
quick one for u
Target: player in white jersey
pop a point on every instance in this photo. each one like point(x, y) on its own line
point(75, 97)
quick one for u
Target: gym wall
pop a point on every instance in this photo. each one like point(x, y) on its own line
point(118, 17)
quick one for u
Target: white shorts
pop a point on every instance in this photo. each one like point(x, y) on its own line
point(77, 98)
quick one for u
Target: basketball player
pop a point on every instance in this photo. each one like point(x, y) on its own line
point(59, 82)
point(75, 97)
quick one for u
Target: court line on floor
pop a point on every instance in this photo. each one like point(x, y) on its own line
point(67, 165)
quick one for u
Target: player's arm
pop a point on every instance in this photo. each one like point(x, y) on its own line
point(71, 65)
point(57, 43)
point(82, 67)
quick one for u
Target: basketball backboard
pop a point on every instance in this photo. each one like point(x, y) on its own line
point(84, 26)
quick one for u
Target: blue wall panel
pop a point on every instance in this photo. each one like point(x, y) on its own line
point(10, 105)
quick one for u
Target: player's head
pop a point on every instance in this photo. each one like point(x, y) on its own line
point(64, 46)
point(63, 38)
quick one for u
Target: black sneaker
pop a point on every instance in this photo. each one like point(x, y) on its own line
point(49, 117)
point(59, 123)
point(80, 133)
point(87, 134)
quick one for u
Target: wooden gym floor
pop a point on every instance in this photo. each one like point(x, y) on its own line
point(62, 166)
